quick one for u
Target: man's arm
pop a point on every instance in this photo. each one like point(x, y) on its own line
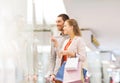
point(52, 59)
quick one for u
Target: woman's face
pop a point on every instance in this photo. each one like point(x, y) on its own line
point(67, 28)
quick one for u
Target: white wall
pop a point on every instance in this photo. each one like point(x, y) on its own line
point(102, 16)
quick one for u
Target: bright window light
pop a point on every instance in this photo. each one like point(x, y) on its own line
point(88, 49)
point(44, 10)
point(113, 57)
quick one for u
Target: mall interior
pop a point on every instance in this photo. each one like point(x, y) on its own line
point(26, 27)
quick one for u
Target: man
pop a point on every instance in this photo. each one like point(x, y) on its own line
point(55, 63)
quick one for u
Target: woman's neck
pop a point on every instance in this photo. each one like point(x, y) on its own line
point(72, 36)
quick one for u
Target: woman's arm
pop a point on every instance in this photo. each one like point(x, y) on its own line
point(81, 51)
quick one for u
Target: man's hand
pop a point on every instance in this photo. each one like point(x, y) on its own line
point(52, 78)
point(54, 41)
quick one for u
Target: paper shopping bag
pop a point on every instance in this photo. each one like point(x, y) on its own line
point(60, 73)
point(71, 64)
point(72, 75)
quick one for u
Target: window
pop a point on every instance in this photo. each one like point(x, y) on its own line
point(44, 11)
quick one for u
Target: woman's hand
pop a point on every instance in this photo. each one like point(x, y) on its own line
point(54, 40)
point(68, 53)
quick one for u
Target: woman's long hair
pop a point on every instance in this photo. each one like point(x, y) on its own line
point(76, 29)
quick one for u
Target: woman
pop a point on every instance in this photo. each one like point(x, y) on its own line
point(74, 46)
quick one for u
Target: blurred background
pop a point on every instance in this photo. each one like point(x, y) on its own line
point(26, 27)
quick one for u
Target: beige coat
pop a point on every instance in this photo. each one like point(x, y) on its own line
point(77, 46)
point(54, 60)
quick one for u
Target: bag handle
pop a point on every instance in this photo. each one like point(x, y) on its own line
point(82, 76)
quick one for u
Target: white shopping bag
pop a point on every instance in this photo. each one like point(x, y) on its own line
point(71, 64)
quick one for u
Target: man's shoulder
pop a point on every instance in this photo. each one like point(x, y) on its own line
point(58, 36)
point(61, 36)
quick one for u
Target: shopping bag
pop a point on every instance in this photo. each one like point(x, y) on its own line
point(71, 64)
point(84, 72)
point(60, 73)
point(73, 75)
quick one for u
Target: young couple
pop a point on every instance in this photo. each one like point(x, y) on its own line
point(68, 44)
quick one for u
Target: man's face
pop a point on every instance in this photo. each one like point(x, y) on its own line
point(60, 23)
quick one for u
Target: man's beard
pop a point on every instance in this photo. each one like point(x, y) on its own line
point(60, 29)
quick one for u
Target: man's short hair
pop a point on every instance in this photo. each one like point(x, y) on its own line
point(64, 16)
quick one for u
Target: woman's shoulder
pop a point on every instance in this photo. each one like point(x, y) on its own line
point(78, 38)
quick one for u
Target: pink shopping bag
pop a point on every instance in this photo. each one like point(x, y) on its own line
point(72, 75)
